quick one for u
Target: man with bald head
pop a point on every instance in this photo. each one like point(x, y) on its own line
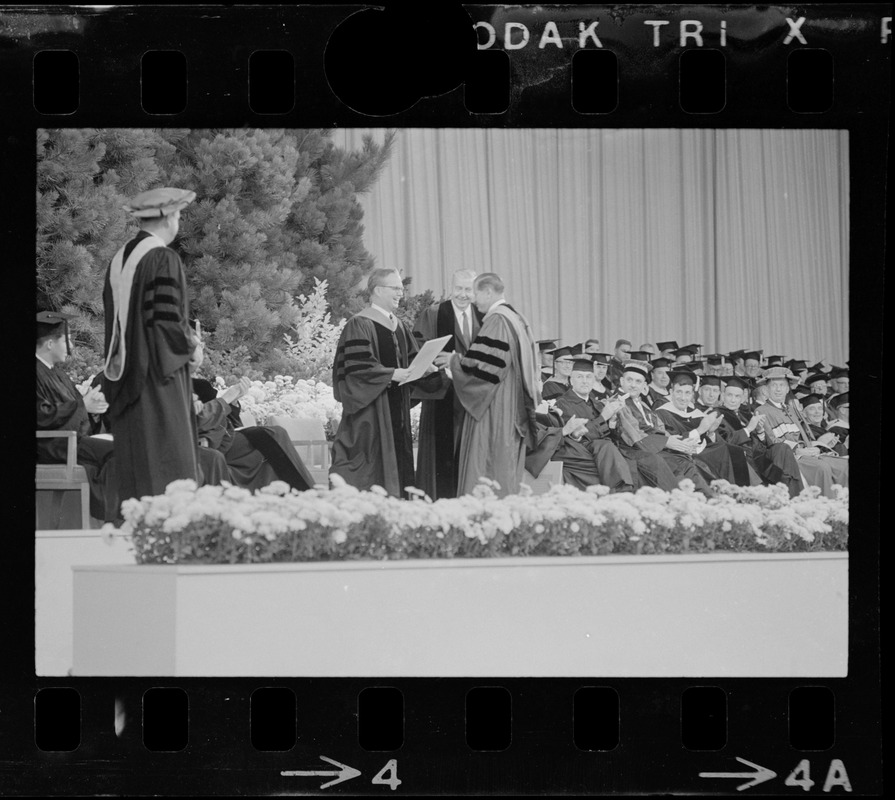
point(441, 417)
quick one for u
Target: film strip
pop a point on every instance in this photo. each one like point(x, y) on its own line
point(516, 727)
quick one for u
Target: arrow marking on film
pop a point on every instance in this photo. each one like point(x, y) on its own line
point(760, 775)
point(344, 772)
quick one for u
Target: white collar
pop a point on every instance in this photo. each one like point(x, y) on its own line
point(459, 313)
point(49, 365)
point(393, 323)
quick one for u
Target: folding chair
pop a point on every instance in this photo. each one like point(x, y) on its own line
point(56, 481)
point(309, 439)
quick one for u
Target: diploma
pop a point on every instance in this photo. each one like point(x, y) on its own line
point(424, 358)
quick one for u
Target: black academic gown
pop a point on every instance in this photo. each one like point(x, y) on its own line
point(60, 407)
point(553, 388)
point(775, 463)
point(718, 459)
point(256, 456)
point(374, 443)
point(594, 459)
point(150, 406)
point(441, 418)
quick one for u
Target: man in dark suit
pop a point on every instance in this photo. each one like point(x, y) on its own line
point(441, 420)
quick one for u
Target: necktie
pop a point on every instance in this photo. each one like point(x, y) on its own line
point(466, 326)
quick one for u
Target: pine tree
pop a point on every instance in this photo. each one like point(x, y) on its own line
point(276, 211)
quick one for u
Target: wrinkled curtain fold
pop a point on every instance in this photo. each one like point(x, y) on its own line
point(729, 238)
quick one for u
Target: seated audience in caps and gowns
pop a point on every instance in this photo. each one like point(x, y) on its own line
point(589, 457)
point(621, 354)
point(709, 393)
point(784, 424)
point(824, 434)
point(639, 433)
point(373, 444)
point(602, 385)
point(659, 380)
point(840, 426)
point(545, 349)
point(715, 457)
point(61, 407)
point(558, 383)
point(441, 417)
point(775, 463)
point(256, 456)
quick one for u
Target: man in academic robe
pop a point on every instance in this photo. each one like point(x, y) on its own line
point(150, 350)
point(709, 393)
point(715, 457)
point(658, 386)
point(785, 424)
point(775, 463)
point(373, 444)
point(589, 457)
point(639, 430)
point(497, 383)
point(616, 364)
point(602, 385)
point(822, 432)
point(256, 456)
point(441, 419)
point(61, 407)
point(558, 383)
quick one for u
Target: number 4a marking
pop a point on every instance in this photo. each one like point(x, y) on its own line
point(390, 769)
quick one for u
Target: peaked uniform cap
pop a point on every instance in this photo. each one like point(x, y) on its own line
point(776, 372)
point(640, 367)
point(157, 203)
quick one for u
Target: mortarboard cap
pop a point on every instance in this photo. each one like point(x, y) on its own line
point(739, 383)
point(562, 352)
point(814, 377)
point(696, 366)
point(53, 323)
point(583, 364)
point(810, 399)
point(658, 363)
point(600, 358)
point(157, 203)
point(818, 367)
point(751, 355)
point(774, 361)
point(839, 399)
point(715, 359)
point(689, 350)
point(736, 355)
point(838, 372)
point(639, 355)
point(796, 365)
point(665, 346)
point(710, 380)
point(684, 376)
point(577, 349)
point(546, 344)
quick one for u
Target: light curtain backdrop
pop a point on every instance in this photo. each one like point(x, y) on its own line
point(729, 238)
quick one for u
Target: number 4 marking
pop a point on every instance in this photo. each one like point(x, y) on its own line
point(801, 776)
point(390, 769)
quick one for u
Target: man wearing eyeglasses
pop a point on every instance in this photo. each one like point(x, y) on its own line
point(373, 445)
